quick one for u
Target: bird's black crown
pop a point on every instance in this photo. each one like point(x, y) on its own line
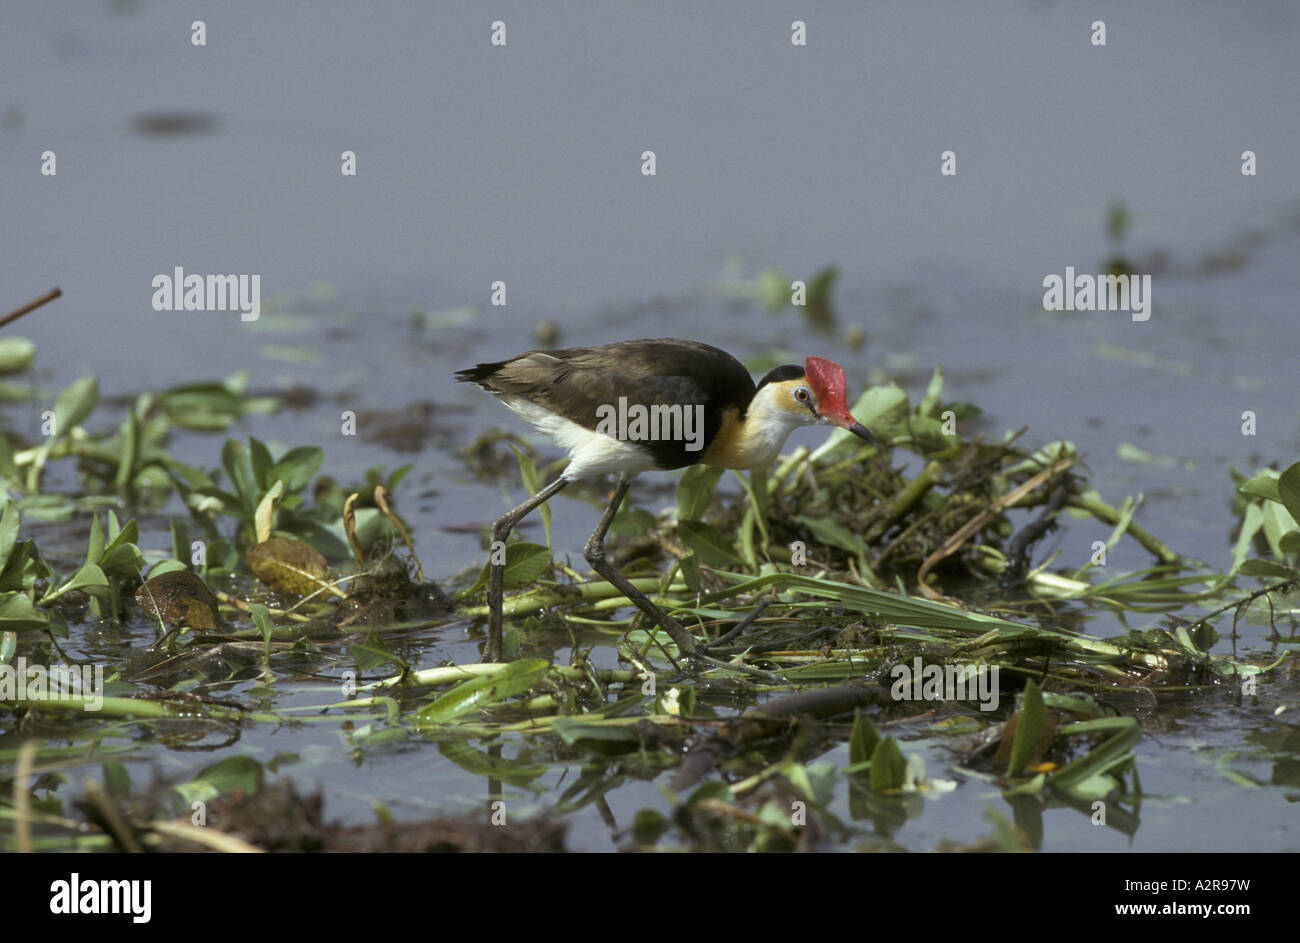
point(779, 375)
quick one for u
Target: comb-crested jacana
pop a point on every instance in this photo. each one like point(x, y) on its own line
point(642, 405)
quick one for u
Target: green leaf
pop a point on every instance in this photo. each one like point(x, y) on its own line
point(1290, 542)
point(756, 488)
point(371, 652)
point(71, 408)
point(604, 739)
point(1262, 485)
point(74, 405)
point(211, 407)
point(819, 779)
point(16, 354)
point(9, 522)
point(715, 790)
point(1110, 753)
point(1266, 569)
point(260, 457)
point(633, 522)
point(1029, 729)
point(239, 467)
point(477, 693)
point(1277, 523)
point(222, 778)
point(532, 484)
point(23, 568)
point(708, 543)
point(797, 774)
point(1251, 521)
point(1008, 837)
point(95, 551)
point(882, 406)
point(117, 781)
point(166, 566)
point(745, 540)
point(510, 644)
point(1128, 452)
point(1094, 787)
point(888, 767)
point(1288, 490)
point(695, 491)
point(297, 467)
point(18, 614)
point(689, 567)
point(122, 557)
point(774, 289)
point(518, 771)
point(331, 544)
point(814, 782)
point(775, 815)
point(1204, 636)
point(820, 286)
point(395, 477)
point(647, 826)
point(524, 563)
point(863, 739)
point(262, 619)
point(130, 456)
point(8, 470)
point(527, 471)
point(930, 401)
point(828, 532)
point(180, 540)
point(89, 579)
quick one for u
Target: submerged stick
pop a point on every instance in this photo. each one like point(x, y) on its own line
point(767, 720)
point(1109, 515)
point(971, 527)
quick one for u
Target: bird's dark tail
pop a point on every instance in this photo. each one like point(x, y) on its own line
point(480, 374)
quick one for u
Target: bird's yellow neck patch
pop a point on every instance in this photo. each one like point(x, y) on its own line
point(772, 415)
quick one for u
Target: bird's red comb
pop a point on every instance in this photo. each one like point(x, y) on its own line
point(827, 379)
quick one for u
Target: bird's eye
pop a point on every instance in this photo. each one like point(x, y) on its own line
point(801, 394)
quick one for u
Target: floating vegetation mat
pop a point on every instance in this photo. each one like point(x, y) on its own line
point(879, 633)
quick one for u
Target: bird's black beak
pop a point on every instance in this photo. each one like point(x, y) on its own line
point(844, 419)
point(861, 431)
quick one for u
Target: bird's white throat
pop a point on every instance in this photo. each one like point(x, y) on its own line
point(768, 423)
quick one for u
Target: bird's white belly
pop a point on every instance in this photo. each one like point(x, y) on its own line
point(592, 454)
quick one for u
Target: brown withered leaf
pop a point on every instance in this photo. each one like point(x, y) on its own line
point(179, 597)
point(288, 566)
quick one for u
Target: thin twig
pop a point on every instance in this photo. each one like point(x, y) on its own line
point(18, 312)
point(740, 626)
point(211, 837)
point(113, 820)
point(960, 536)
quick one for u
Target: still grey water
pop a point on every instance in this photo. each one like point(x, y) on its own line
point(522, 164)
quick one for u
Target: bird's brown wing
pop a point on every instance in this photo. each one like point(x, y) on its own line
point(577, 382)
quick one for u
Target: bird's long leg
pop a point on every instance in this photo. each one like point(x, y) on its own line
point(501, 528)
point(595, 555)
point(686, 644)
